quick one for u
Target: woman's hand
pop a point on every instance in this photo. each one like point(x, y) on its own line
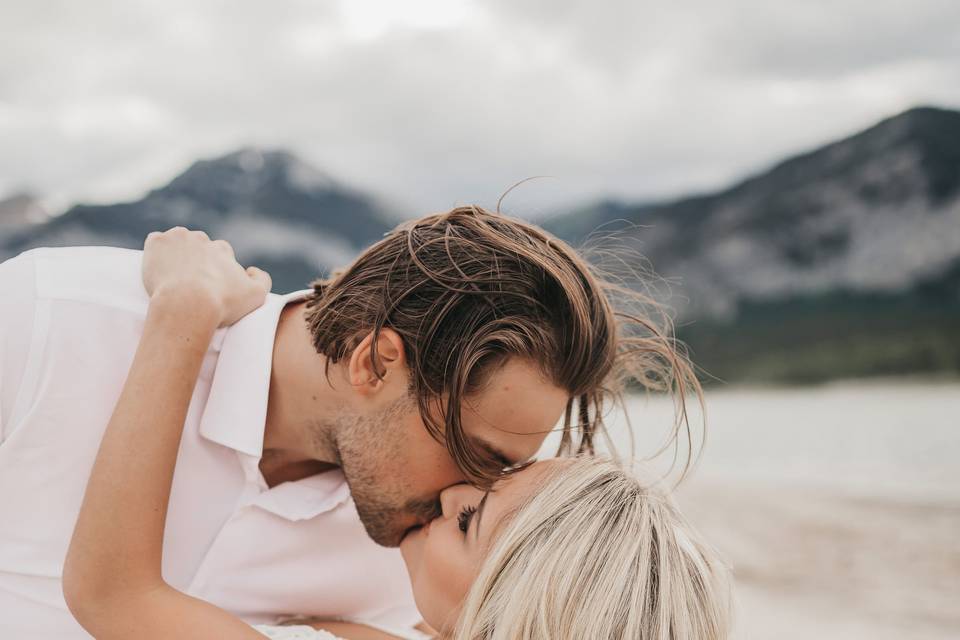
point(201, 274)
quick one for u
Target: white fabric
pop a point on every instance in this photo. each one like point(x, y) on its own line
point(70, 320)
point(295, 633)
point(301, 632)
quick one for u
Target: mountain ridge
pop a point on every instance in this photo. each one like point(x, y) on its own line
point(804, 214)
point(833, 246)
point(840, 260)
point(277, 211)
point(899, 123)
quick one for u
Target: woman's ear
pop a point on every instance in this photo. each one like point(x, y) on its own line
point(391, 360)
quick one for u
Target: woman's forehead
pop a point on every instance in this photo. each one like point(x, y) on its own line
point(516, 486)
point(509, 494)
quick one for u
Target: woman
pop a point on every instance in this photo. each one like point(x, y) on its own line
point(564, 549)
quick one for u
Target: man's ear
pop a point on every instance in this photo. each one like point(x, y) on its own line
point(391, 359)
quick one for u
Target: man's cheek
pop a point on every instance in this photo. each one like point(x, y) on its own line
point(432, 476)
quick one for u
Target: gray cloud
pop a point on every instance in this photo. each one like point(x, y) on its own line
point(104, 101)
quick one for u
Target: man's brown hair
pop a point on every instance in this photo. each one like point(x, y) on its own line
point(469, 289)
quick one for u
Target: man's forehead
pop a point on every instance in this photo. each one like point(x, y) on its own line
point(513, 414)
point(524, 408)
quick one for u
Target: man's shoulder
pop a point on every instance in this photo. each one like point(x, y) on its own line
point(105, 276)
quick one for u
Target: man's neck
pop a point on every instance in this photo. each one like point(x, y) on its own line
point(297, 442)
point(276, 469)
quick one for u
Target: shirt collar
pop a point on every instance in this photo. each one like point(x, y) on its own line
point(236, 410)
point(305, 498)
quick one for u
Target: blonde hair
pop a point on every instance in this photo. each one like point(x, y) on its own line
point(596, 554)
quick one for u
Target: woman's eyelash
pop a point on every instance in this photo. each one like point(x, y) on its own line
point(463, 520)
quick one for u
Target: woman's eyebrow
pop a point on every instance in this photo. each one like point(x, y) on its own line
point(483, 503)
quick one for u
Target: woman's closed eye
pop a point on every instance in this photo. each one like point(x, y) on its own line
point(464, 517)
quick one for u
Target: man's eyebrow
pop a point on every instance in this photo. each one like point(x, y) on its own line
point(483, 503)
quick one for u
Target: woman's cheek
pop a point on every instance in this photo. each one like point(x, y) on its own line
point(412, 551)
point(446, 574)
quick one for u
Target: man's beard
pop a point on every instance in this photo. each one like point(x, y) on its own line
point(365, 444)
point(386, 524)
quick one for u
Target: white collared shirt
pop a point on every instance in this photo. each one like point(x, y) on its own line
point(70, 321)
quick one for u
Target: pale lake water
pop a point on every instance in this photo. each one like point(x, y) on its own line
point(838, 507)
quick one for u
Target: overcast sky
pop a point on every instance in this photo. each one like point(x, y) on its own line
point(429, 103)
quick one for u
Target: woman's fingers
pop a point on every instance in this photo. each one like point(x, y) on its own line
point(261, 278)
point(261, 283)
point(176, 234)
point(189, 264)
point(253, 295)
point(224, 246)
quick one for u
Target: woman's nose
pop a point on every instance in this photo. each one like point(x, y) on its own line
point(453, 499)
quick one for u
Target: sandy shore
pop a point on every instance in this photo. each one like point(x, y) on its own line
point(815, 564)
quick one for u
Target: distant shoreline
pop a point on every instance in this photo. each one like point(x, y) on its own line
point(918, 379)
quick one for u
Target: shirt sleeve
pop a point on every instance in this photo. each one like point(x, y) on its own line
point(18, 302)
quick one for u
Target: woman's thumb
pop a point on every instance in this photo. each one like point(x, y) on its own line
point(261, 278)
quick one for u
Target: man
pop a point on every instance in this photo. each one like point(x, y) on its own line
point(443, 354)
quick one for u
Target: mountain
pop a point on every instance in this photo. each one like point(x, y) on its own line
point(278, 212)
point(843, 260)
